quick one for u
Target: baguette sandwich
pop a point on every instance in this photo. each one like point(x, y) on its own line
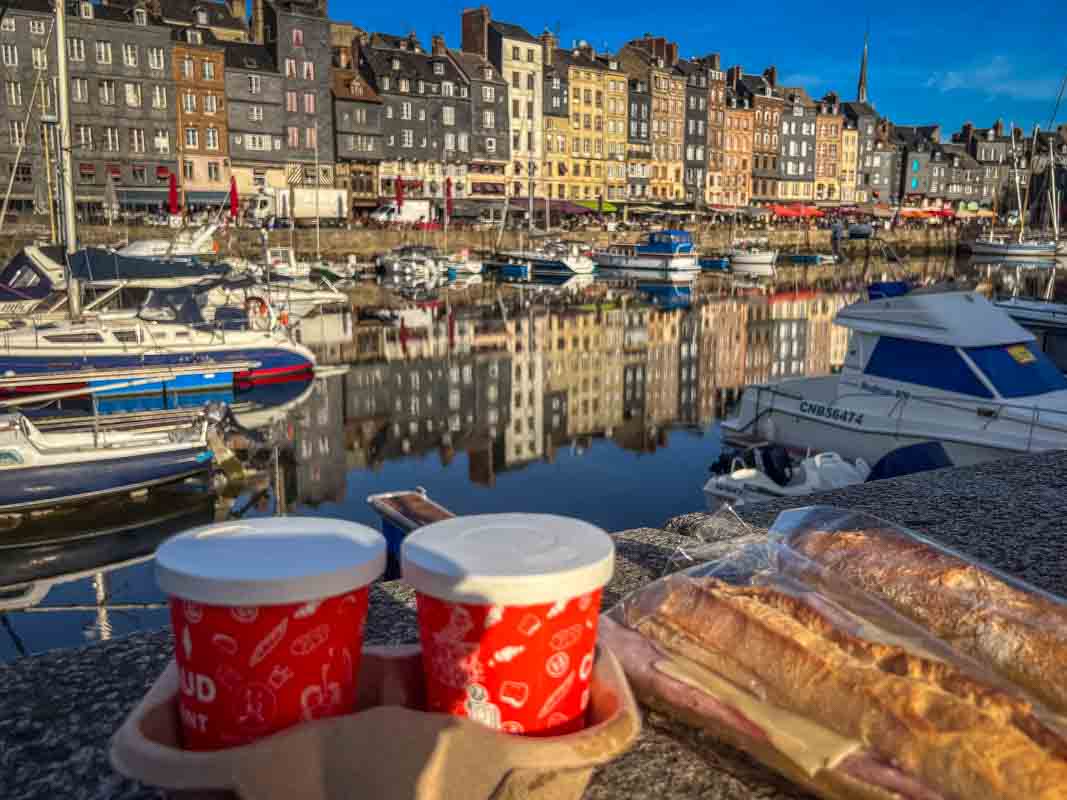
point(844, 716)
point(1019, 634)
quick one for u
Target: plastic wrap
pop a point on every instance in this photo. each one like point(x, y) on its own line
point(827, 674)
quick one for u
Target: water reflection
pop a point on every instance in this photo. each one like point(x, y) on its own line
point(587, 400)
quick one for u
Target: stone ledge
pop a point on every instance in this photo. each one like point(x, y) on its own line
point(58, 710)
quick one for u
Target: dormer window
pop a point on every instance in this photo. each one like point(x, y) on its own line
point(85, 10)
point(201, 17)
point(396, 65)
point(385, 84)
point(613, 65)
point(195, 37)
point(438, 68)
point(356, 88)
point(421, 87)
point(488, 74)
point(140, 16)
point(405, 85)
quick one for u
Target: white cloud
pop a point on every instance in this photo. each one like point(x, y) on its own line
point(996, 78)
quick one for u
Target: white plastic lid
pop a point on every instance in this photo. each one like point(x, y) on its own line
point(508, 559)
point(270, 561)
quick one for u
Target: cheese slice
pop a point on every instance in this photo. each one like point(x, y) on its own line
point(807, 744)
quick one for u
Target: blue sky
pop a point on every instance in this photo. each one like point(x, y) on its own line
point(930, 62)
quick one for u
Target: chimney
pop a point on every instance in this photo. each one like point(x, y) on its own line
point(714, 62)
point(672, 53)
point(549, 43)
point(474, 31)
point(437, 45)
point(733, 75)
point(998, 128)
point(967, 132)
point(771, 76)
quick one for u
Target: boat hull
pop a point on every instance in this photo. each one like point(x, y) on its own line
point(757, 264)
point(1014, 249)
point(24, 489)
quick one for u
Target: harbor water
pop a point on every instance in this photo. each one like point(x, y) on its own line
point(600, 405)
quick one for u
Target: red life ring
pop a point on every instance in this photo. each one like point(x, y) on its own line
point(256, 306)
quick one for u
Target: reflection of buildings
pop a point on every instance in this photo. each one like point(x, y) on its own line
point(689, 367)
point(723, 337)
point(326, 335)
point(318, 445)
point(524, 437)
point(662, 371)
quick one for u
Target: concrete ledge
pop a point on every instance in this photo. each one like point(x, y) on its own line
point(58, 710)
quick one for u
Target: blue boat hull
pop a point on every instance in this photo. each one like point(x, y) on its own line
point(38, 487)
point(715, 264)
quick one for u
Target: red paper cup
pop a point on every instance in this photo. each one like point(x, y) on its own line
point(508, 607)
point(268, 619)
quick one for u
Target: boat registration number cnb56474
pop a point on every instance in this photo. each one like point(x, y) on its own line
point(828, 412)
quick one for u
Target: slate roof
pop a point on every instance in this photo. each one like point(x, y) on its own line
point(389, 41)
point(182, 12)
point(575, 58)
point(510, 31)
point(473, 65)
point(915, 136)
point(252, 57)
point(413, 66)
point(857, 109)
point(31, 6)
point(208, 39)
point(756, 86)
point(787, 93)
point(341, 86)
point(950, 151)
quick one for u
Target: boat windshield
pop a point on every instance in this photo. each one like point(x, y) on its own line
point(1018, 370)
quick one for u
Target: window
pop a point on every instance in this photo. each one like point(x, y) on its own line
point(83, 136)
point(211, 138)
point(13, 93)
point(311, 137)
point(488, 94)
point(407, 138)
point(309, 71)
point(140, 17)
point(298, 37)
point(79, 90)
point(291, 104)
point(7, 24)
point(189, 103)
point(255, 87)
point(133, 95)
point(211, 104)
point(257, 141)
point(137, 140)
point(530, 82)
point(292, 136)
point(309, 102)
point(106, 93)
point(448, 115)
point(214, 173)
point(290, 67)
point(464, 143)
point(934, 365)
point(450, 141)
point(448, 89)
point(103, 52)
point(188, 170)
point(490, 144)
point(255, 113)
point(40, 58)
point(75, 49)
point(194, 37)
point(488, 119)
point(161, 142)
point(37, 27)
point(404, 85)
point(129, 55)
point(405, 111)
point(192, 138)
point(9, 54)
point(85, 10)
point(515, 54)
point(209, 70)
point(1018, 370)
point(16, 130)
point(155, 58)
point(111, 139)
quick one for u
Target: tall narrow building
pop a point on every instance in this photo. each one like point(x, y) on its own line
point(861, 89)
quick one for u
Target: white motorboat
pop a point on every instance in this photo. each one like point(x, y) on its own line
point(923, 367)
point(752, 258)
point(552, 258)
point(1046, 320)
point(764, 473)
point(666, 254)
point(463, 263)
point(190, 242)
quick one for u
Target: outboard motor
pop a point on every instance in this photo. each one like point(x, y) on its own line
point(777, 465)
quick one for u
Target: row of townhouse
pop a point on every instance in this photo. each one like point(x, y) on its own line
point(193, 89)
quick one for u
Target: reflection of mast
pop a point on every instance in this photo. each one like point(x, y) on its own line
point(103, 618)
point(281, 506)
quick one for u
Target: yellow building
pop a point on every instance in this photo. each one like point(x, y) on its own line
point(849, 163)
point(828, 124)
point(583, 360)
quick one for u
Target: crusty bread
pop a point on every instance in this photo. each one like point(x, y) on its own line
point(1021, 635)
point(960, 738)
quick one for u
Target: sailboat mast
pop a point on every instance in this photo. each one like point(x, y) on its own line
point(66, 176)
point(1018, 191)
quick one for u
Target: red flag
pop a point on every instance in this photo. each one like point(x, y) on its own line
point(172, 194)
point(399, 193)
point(233, 198)
point(448, 197)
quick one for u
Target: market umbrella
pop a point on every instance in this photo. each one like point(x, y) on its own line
point(399, 193)
point(172, 194)
point(448, 197)
point(234, 200)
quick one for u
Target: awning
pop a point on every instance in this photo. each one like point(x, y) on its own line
point(162, 172)
point(608, 208)
point(556, 206)
point(208, 198)
point(114, 169)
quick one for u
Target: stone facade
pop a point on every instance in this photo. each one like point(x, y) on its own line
point(768, 113)
point(256, 118)
point(828, 131)
point(696, 129)
point(737, 152)
point(490, 144)
point(796, 159)
point(639, 141)
point(199, 64)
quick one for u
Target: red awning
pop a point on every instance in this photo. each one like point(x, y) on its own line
point(114, 169)
point(162, 172)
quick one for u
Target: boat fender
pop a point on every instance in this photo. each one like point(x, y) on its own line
point(256, 306)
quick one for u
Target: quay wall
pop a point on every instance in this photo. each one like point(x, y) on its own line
point(58, 710)
point(338, 244)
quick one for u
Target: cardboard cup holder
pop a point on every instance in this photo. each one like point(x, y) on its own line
point(387, 748)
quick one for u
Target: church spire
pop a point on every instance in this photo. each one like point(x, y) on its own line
point(861, 90)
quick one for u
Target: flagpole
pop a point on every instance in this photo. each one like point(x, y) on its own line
point(318, 248)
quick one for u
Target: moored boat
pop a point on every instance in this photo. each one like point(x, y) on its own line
point(752, 258)
point(664, 254)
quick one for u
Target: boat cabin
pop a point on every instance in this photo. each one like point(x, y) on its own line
point(672, 242)
point(954, 343)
